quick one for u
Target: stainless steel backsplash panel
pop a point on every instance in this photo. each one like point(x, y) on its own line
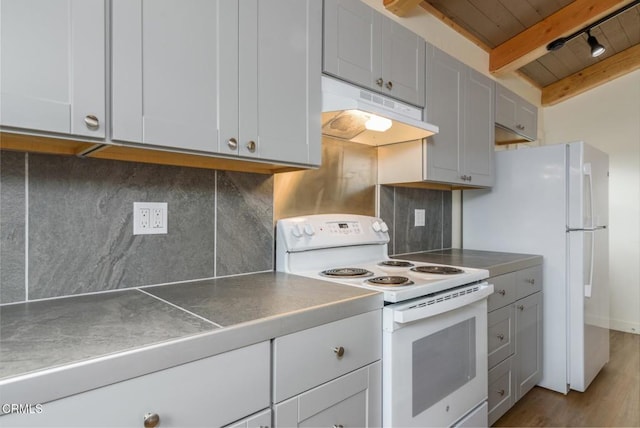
point(345, 183)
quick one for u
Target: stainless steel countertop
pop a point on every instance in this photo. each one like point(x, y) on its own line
point(495, 262)
point(54, 348)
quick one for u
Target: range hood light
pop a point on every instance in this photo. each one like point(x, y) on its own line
point(377, 123)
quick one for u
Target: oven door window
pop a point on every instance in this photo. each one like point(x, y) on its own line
point(442, 363)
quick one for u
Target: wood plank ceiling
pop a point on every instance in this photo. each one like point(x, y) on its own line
point(516, 32)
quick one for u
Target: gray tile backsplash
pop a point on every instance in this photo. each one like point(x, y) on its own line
point(80, 231)
point(12, 227)
point(397, 209)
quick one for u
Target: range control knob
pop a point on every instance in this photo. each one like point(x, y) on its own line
point(384, 227)
point(309, 230)
point(296, 231)
point(376, 226)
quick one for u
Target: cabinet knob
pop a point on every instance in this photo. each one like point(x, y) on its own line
point(379, 81)
point(232, 143)
point(502, 292)
point(501, 392)
point(92, 122)
point(520, 127)
point(389, 85)
point(469, 178)
point(530, 281)
point(338, 426)
point(339, 350)
point(521, 307)
point(500, 337)
point(151, 420)
point(251, 146)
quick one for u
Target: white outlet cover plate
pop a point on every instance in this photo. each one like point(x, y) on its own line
point(420, 218)
point(151, 228)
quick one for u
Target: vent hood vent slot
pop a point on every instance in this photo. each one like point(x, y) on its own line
point(348, 112)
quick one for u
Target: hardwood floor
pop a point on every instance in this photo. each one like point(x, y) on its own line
point(612, 399)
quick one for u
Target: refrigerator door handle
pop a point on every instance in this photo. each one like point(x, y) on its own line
point(585, 229)
point(592, 248)
point(586, 170)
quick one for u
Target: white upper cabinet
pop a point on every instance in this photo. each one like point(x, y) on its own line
point(460, 102)
point(165, 73)
point(223, 76)
point(52, 76)
point(515, 114)
point(365, 47)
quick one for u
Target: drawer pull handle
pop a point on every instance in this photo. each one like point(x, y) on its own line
point(339, 350)
point(338, 426)
point(151, 420)
point(501, 392)
point(521, 307)
point(530, 281)
point(502, 292)
point(501, 337)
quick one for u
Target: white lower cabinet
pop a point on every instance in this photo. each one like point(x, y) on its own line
point(514, 338)
point(259, 420)
point(352, 400)
point(330, 375)
point(211, 392)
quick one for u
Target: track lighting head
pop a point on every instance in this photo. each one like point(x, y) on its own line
point(596, 48)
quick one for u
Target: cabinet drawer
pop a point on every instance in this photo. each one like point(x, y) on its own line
point(214, 391)
point(501, 334)
point(310, 357)
point(504, 291)
point(528, 281)
point(501, 383)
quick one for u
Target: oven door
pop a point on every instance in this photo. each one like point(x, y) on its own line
point(435, 368)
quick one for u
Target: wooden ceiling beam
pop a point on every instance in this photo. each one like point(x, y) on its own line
point(597, 74)
point(400, 7)
point(530, 44)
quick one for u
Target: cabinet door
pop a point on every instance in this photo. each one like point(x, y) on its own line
point(53, 65)
point(353, 400)
point(403, 63)
point(528, 343)
point(165, 77)
point(479, 129)
point(279, 92)
point(352, 42)
point(444, 107)
point(516, 114)
point(212, 392)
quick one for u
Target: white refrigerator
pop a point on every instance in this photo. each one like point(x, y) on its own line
point(553, 200)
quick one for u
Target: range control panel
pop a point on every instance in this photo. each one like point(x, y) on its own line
point(329, 230)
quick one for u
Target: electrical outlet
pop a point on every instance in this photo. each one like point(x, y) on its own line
point(150, 218)
point(419, 218)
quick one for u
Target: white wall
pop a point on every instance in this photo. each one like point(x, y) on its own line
point(608, 117)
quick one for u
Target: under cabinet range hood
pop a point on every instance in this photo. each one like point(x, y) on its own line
point(361, 116)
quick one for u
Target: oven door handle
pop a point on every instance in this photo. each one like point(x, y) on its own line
point(414, 311)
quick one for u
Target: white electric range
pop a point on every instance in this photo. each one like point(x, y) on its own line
point(434, 319)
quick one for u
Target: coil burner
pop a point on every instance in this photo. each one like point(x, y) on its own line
point(390, 281)
point(439, 270)
point(396, 263)
point(346, 273)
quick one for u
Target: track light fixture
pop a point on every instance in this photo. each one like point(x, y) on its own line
point(596, 48)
